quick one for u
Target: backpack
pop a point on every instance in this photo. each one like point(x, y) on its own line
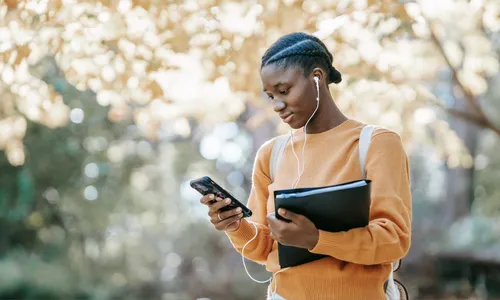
point(392, 287)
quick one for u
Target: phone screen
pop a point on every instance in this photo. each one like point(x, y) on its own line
point(205, 186)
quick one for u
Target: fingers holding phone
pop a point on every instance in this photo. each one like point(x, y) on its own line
point(227, 220)
point(208, 199)
point(223, 207)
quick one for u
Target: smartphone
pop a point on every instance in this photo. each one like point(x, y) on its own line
point(205, 185)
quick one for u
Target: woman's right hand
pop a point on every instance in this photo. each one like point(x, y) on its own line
point(223, 220)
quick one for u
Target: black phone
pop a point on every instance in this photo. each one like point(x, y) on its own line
point(205, 185)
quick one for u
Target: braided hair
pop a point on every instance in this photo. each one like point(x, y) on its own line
point(302, 50)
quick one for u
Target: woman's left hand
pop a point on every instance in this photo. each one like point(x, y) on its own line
point(300, 232)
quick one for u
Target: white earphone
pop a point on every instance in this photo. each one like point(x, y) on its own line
point(316, 79)
point(300, 172)
point(272, 291)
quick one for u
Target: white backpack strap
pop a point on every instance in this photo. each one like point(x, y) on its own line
point(392, 291)
point(365, 138)
point(276, 154)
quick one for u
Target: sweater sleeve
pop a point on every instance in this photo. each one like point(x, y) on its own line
point(261, 246)
point(387, 236)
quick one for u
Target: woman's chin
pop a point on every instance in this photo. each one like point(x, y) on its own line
point(293, 122)
point(295, 125)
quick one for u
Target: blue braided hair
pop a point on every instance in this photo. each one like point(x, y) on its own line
point(301, 50)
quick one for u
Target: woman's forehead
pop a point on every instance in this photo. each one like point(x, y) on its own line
point(272, 75)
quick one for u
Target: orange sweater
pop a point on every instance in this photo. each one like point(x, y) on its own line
point(359, 260)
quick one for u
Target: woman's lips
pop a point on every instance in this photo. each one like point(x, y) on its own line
point(286, 117)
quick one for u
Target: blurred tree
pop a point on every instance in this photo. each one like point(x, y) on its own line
point(140, 60)
point(92, 91)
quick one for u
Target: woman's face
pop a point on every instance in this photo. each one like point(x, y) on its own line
point(293, 95)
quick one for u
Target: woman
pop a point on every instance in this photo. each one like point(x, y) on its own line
point(359, 260)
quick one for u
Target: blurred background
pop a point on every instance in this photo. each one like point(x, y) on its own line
point(109, 108)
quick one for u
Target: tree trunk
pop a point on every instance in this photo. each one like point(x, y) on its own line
point(459, 187)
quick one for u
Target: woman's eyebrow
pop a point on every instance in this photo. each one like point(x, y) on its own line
point(274, 86)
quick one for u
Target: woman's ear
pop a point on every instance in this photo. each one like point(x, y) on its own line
point(318, 72)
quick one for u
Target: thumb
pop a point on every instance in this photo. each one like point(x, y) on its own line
point(289, 215)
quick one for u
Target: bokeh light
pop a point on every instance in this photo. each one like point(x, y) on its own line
point(109, 108)
point(90, 193)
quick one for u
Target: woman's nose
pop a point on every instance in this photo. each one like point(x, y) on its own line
point(278, 105)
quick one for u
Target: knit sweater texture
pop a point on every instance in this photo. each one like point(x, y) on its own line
point(358, 261)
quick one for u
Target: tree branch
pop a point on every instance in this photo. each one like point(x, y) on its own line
point(478, 117)
point(466, 116)
point(467, 93)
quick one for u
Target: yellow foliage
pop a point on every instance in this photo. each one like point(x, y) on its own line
point(182, 54)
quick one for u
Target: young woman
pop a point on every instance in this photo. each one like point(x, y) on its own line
point(296, 71)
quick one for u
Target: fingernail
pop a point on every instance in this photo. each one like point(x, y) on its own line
point(238, 209)
point(241, 215)
point(211, 197)
point(281, 211)
point(227, 200)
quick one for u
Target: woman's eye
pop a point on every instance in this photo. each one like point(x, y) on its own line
point(284, 92)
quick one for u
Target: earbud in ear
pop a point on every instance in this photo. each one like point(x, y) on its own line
point(316, 79)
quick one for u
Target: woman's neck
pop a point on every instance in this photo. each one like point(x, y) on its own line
point(327, 117)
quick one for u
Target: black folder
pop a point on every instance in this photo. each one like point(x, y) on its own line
point(333, 208)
